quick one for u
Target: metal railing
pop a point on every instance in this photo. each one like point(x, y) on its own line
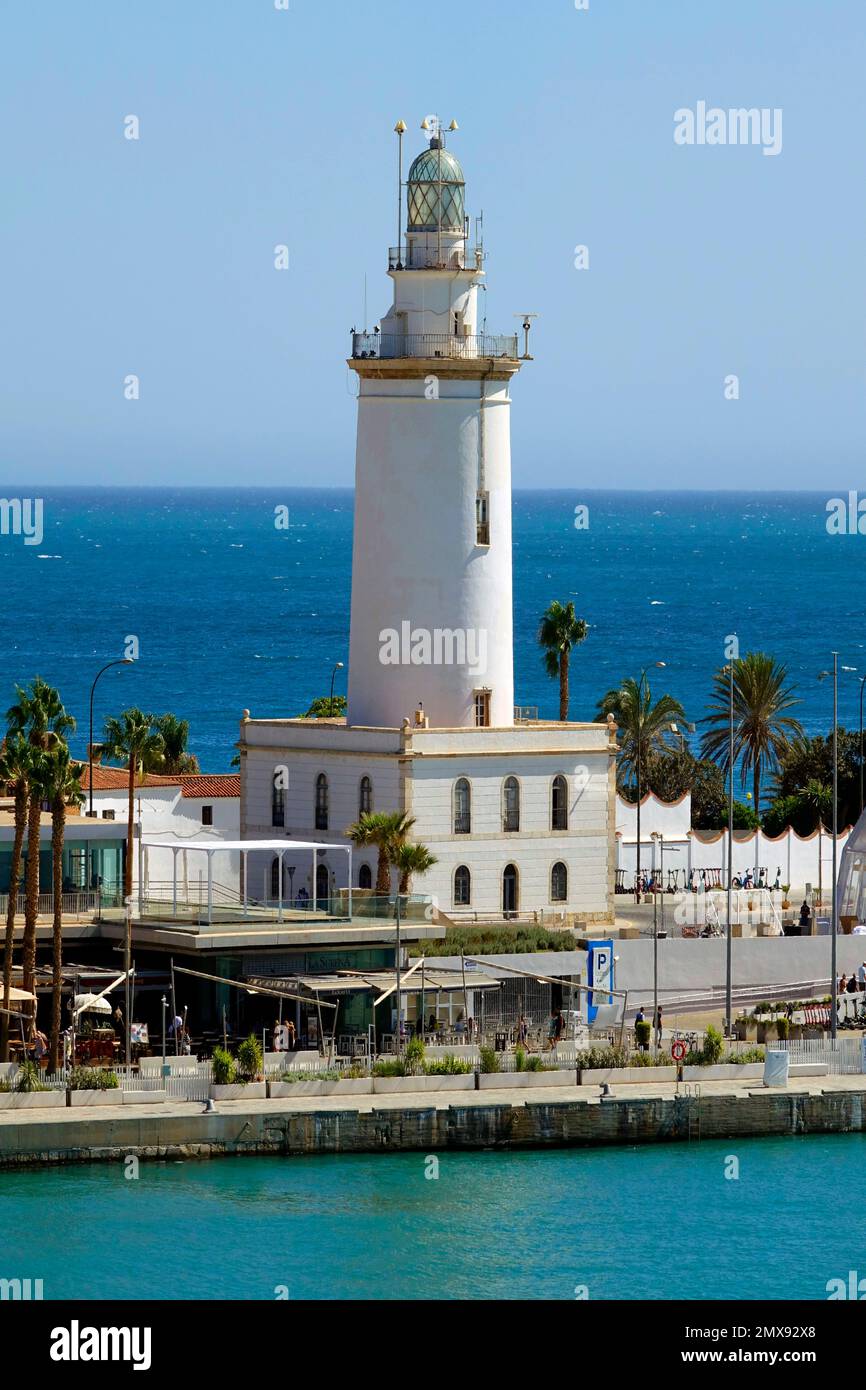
point(433, 345)
point(73, 902)
point(526, 714)
point(424, 255)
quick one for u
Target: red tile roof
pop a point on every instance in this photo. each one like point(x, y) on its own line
point(116, 779)
point(203, 784)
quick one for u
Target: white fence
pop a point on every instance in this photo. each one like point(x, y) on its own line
point(843, 1058)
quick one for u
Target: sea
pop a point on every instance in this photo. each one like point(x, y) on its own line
point(239, 599)
point(732, 1219)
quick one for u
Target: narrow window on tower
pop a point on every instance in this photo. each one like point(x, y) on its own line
point(482, 709)
point(482, 518)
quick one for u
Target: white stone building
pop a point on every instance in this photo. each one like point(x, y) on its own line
point(519, 813)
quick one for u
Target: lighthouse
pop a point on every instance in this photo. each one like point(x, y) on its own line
point(519, 813)
point(431, 619)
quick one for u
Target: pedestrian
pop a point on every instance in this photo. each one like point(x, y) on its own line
point(861, 975)
point(291, 1040)
point(117, 1020)
point(843, 982)
point(657, 1024)
point(853, 987)
point(522, 1032)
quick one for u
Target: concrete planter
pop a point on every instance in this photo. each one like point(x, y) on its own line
point(724, 1072)
point(597, 1075)
point(113, 1097)
point(31, 1100)
point(500, 1081)
point(253, 1090)
point(390, 1085)
point(284, 1090)
point(143, 1097)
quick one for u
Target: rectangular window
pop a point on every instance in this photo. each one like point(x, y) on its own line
point(207, 815)
point(482, 709)
point(482, 518)
point(278, 806)
point(108, 815)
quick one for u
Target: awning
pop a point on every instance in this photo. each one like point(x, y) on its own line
point(445, 981)
point(91, 1004)
point(17, 996)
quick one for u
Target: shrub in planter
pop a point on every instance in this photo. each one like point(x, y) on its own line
point(250, 1061)
point(535, 1063)
point(92, 1079)
point(713, 1044)
point(353, 1073)
point(520, 1059)
point(223, 1067)
point(448, 1066)
point(413, 1057)
point(748, 1054)
point(783, 1028)
point(595, 1058)
point(393, 1067)
point(489, 1061)
point(29, 1079)
point(642, 1033)
point(294, 1076)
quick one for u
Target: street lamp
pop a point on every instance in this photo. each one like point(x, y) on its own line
point(338, 667)
point(124, 661)
point(164, 1007)
point(730, 895)
point(659, 664)
point(833, 909)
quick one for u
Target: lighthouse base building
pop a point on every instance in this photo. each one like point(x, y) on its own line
point(519, 814)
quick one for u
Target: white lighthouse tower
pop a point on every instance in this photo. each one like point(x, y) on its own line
point(431, 622)
point(519, 813)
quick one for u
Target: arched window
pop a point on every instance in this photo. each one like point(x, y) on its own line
point(365, 797)
point(511, 804)
point(275, 876)
point(462, 807)
point(462, 886)
point(559, 804)
point(510, 895)
point(559, 883)
point(278, 805)
point(365, 876)
point(321, 802)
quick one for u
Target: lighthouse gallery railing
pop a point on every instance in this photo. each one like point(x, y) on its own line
point(429, 345)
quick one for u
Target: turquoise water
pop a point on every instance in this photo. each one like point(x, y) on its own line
point(646, 1223)
point(232, 613)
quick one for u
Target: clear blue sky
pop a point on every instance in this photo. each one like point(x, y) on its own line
point(261, 127)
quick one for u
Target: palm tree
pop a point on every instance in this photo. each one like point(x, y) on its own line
point(411, 859)
point(39, 715)
point(174, 759)
point(14, 774)
point(559, 631)
point(131, 739)
point(818, 797)
point(645, 727)
point(762, 728)
point(386, 830)
point(62, 788)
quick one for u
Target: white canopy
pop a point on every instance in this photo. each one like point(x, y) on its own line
point(91, 1004)
point(214, 846)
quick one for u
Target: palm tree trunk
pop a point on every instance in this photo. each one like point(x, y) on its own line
point(31, 888)
point(756, 788)
point(403, 887)
point(563, 686)
point(383, 874)
point(21, 800)
point(57, 826)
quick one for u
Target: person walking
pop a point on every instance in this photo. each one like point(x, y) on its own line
point(657, 1025)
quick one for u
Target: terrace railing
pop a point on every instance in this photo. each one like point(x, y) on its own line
point(432, 345)
point(76, 902)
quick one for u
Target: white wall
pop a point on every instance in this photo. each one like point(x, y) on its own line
point(686, 849)
point(166, 815)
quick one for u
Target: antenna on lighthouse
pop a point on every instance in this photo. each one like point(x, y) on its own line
point(527, 324)
point(399, 131)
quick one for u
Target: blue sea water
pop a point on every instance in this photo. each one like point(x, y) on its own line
point(232, 613)
point(656, 1222)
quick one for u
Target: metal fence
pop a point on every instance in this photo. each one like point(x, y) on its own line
point(431, 345)
point(843, 1058)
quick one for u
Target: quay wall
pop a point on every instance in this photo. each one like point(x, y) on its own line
point(427, 1129)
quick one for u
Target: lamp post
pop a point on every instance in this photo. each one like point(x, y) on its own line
point(164, 1007)
point(124, 661)
point(338, 667)
point(834, 925)
point(400, 131)
point(862, 684)
point(659, 664)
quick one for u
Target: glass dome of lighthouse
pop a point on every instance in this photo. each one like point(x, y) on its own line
point(436, 191)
